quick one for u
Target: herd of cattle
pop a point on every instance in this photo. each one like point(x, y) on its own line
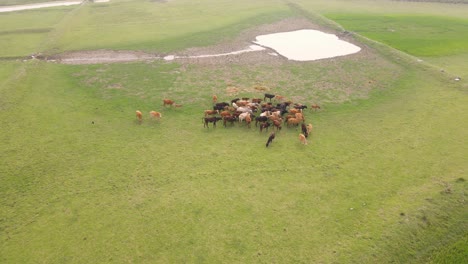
point(264, 113)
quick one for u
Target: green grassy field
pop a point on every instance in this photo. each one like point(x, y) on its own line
point(383, 179)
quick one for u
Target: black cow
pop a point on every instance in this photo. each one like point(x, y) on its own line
point(304, 130)
point(220, 106)
point(213, 120)
point(260, 119)
point(301, 107)
point(270, 139)
point(269, 96)
point(265, 126)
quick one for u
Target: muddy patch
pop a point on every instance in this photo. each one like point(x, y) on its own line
point(102, 56)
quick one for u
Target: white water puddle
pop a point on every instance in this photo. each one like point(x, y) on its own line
point(43, 5)
point(307, 45)
point(300, 45)
point(251, 48)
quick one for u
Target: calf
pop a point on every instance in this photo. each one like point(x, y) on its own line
point(215, 99)
point(213, 120)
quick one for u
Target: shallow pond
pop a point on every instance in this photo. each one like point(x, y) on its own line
point(300, 45)
point(306, 45)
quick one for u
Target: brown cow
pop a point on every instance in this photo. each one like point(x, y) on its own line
point(215, 99)
point(299, 116)
point(302, 139)
point(309, 128)
point(248, 120)
point(211, 112)
point(280, 98)
point(139, 115)
point(155, 115)
point(315, 107)
point(168, 102)
point(277, 124)
point(225, 113)
point(294, 111)
point(293, 121)
point(230, 119)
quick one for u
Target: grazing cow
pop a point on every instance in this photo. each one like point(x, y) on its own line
point(155, 115)
point(315, 107)
point(270, 139)
point(244, 109)
point(230, 119)
point(168, 102)
point(304, 130)
point(269, 96)
point(213, 120)
point(302, 139)
point(215, 99)
point(242, 103)
point(139, 115)
point(280, 98)
point(225, 113)
point(265, 126)
point(235, 100)
point(211, 112)
point(260, 119)
point(309, 128)
point(300, 106)
point(248, 120)
point(277, 124)
point(299, 116)
point(294, 111)
point(243, 116)
point(220, 106)
point(256, 100)
point(293, 121)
